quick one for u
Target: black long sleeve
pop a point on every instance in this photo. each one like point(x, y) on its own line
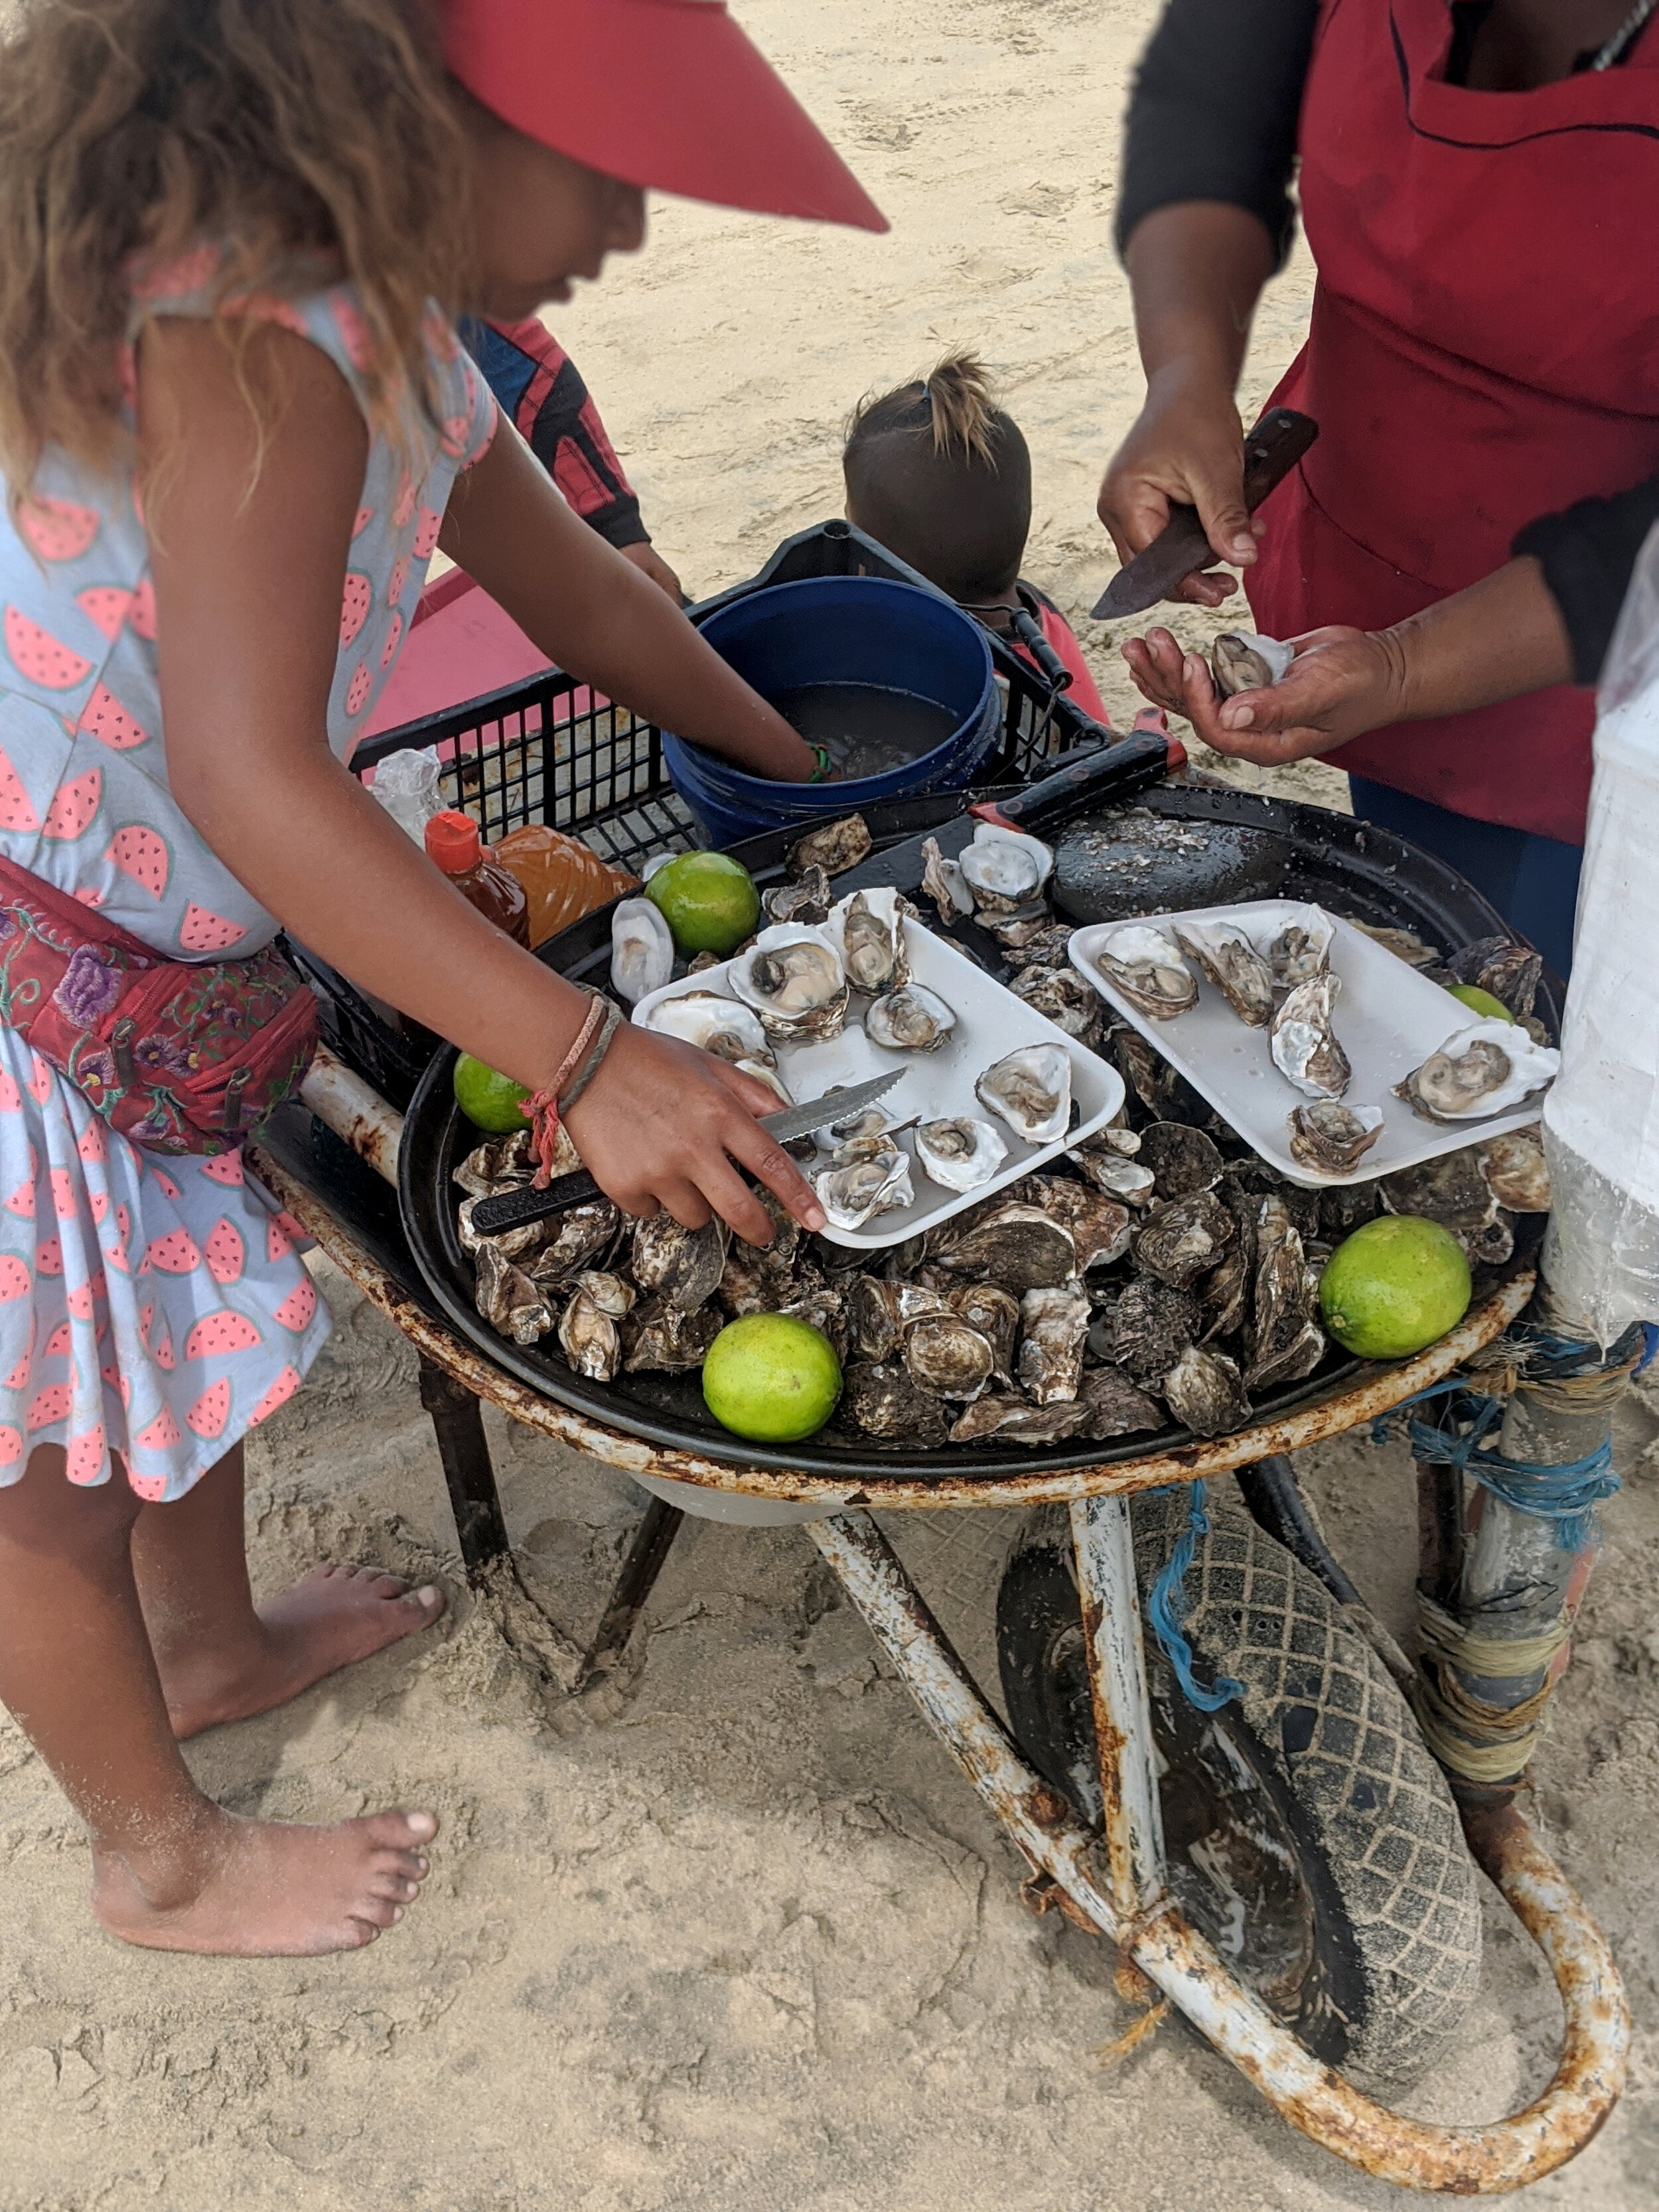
point(1213, 112)
point(1588, 552)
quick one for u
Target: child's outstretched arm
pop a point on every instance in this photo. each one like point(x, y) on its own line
point(249, 544)
point(595, 614)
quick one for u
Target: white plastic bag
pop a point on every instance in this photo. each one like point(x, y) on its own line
point(406, 785)
point(1602, 1117)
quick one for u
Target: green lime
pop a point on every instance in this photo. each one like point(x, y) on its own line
point(1395, 1286)
point(1480, 1002)
point(708, 901)
point(771, 1377)
point(490, 1101)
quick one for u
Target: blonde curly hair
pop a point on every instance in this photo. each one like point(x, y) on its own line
point(133, 130)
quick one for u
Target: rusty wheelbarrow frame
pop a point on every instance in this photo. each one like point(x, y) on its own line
point(1114, 1882)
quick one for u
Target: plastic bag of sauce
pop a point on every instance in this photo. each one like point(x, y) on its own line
point(562, 878)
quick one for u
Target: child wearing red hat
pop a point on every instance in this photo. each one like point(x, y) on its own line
point(234, 424)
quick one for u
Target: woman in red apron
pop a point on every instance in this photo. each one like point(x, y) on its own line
point(1483, 355)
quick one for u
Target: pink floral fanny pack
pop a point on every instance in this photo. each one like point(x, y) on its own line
point(180, 1057)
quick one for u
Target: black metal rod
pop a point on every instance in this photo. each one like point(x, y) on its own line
point(458, 1420)
point(652, 1541)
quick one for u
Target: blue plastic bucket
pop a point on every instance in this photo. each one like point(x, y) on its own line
point(842, 630)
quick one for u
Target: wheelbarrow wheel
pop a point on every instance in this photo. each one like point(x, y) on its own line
point(1311, 1836)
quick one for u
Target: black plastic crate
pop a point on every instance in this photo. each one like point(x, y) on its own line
point(548, 751)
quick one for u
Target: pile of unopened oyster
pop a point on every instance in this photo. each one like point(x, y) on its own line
point(1157, 1274)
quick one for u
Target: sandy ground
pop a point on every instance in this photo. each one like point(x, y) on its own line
point(735, 1935)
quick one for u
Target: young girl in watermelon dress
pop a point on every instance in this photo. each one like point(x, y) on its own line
point(234, 426)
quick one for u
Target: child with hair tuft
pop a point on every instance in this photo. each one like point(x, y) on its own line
point(939, 474)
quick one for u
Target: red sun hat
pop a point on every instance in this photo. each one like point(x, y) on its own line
point(668, 94)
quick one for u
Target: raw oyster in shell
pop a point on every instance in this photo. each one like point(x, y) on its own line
point(948, 1356)
point(588, 1335)
point(1304, 1045)
point(823, 1305)
point(1285, 1341)
point(881, 1399)
point(1018, 1421)
point(1331, 1137)
point(1114, 1406)
point(1020, 1246)
point(1031, 1089)
point(867, 1122)
point(1148, 1330)
point(1054, 1324)
point(995, 1314)
point(682, 1266)
point(1147, 969)
point(1183, 1239)
point(503, 1164)
point(959, 1153)
point(870, 1176)
point(1226, 1293)
point(878, 1312)
point(1004, 868)
point(1233, 965)
point(1111, 1166)
point(510, 1243)
point(1510, 972)
point(793, 977)
point(1070, 1003)
point(941, 879)
point(869, 928)
point(1182, 1158)
point(909, 1019)
point(808, 900)
point(1485, 1069)
point(1299, 950)
point(507, 1299)
point(1205, 1393)
point(832, 847)
point(642, 950)
point(1099, 1224)
point(572, 1240)
point(666, 1340)
point(1048, 944)
point(1514, 1167)
point(1452, 1190)
point(1243, 660)
point(726, 1027)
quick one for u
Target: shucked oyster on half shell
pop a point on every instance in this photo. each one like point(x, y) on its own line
point(1005, 868)
point(1304, 1045)
point(1483, 1070)
point(867, 928)
point(959, 1153)
point(793, 977)
point(1300, 948)
point(1233, 965)
point(1243, 660)
point(1147, 968)
point(870, 1176)
point(1031, 1089)
point(909, 1019)
point(1331, 1137)
point(726, 1027)
point(642, 950)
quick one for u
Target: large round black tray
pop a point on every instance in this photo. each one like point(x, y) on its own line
point(1253, 848)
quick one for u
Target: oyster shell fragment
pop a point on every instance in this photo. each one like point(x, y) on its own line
point(909, 1019)
point(793, 977)
point(1304, 1044)
point(1099, 1225)
point(1147, 969)
point(1233, 965)
point(1331, 1137)
point(1243, 660)
point(642, 950)
point(1485, 1069)
point(665, 1339)
point(1031, 1089)
point(958, 1152)
point(1114, 1406)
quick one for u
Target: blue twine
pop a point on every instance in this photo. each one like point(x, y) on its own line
point(1166, 1608)
point(1567, 1495)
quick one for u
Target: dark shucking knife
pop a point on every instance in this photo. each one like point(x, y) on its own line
point(517, 1209)
point(1272, 450)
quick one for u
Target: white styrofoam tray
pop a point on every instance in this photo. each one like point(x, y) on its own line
point(991, 1022)
point(1388, 1017)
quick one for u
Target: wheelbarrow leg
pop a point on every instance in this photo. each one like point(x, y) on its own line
point(652, 1541)
point(458, 1420)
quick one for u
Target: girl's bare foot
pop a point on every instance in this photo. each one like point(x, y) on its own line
point(256, 1889)
point(330, 1619)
